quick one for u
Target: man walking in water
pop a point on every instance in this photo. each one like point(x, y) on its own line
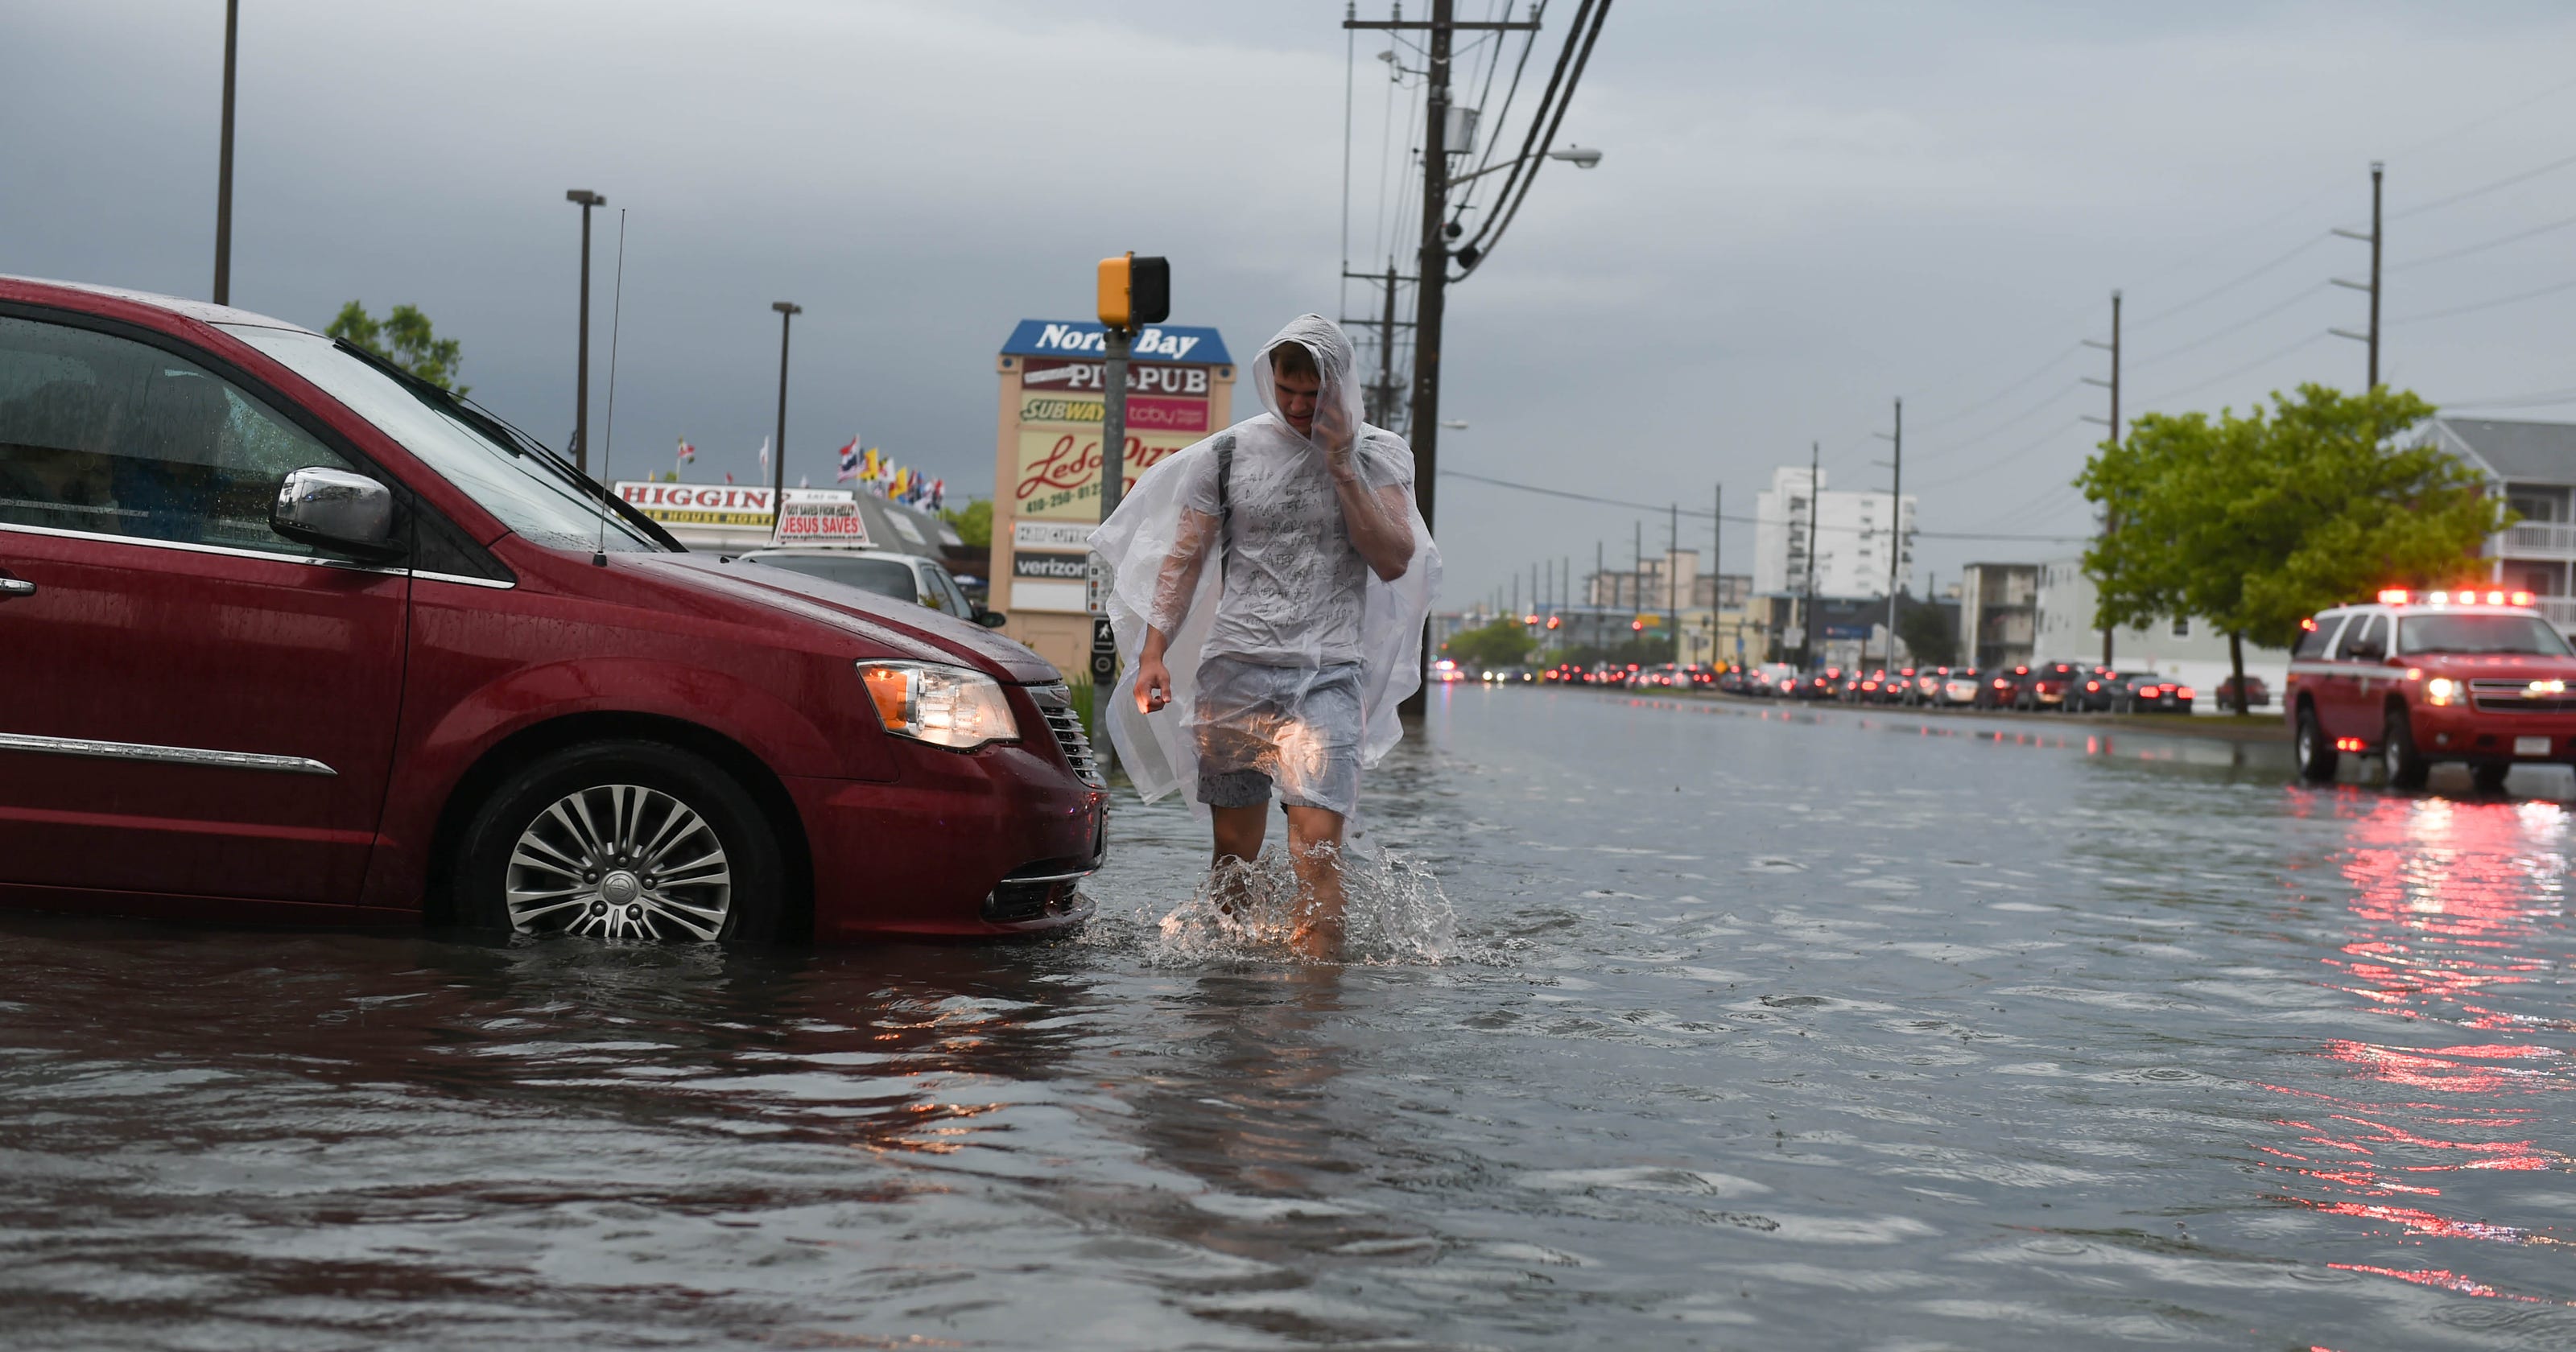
point(1270, 588)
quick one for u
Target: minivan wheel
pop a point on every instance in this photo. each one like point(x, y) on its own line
point(2316, 757)
point(621, 840)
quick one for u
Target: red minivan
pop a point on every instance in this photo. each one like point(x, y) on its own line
point(287, 634)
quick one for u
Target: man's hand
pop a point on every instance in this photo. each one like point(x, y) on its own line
point(1153, 682)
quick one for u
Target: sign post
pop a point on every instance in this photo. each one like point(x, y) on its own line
point(1132, 291)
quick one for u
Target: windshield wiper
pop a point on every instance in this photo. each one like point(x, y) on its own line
point(501, 432)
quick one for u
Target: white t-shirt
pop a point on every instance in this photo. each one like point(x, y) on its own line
point(1295, 587)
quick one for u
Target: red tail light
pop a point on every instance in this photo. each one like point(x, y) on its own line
point(2185, 692)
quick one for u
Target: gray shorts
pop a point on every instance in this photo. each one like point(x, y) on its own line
point(1300, 727)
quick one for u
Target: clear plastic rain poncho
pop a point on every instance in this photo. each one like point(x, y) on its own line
point(1260, 591)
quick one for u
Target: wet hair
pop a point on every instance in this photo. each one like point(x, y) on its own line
point(1292, 359)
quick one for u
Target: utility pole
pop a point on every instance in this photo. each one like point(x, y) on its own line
point(1807, 618)
point(2111, 514)
point(581, 361)
point(1430, 296)
point(2374, 237)
point(1672, 578)
point(778, 449)
point(224, 164)
point(1895, 527)
point(1716, 570)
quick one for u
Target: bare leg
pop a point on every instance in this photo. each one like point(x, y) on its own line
point(1315, 851)
point(1238, 838)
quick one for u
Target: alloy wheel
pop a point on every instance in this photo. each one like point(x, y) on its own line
point(620, 861)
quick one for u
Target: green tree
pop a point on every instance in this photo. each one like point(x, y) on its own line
point(1929, 633)
point(2255, 522)
point(972, 522)
point(1503, 643)
point(403, 337)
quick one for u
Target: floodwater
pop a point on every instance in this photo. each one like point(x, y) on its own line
point(1722, 1027)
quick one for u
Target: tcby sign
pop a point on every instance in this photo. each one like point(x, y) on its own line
point(700, 504)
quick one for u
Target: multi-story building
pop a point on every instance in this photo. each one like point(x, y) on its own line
point(1854, 533)
point(2532, 466)
point(1998, 613)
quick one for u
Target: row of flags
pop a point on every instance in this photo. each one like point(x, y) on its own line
point(873, 470)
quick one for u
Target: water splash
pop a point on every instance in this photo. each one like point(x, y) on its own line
point(1394, 914)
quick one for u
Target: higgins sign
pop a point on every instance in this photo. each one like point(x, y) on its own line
point(700, 504)
point(1082, 338)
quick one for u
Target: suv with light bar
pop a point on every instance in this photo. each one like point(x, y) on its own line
point(2471, 674)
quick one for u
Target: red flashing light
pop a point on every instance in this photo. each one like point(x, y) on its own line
point(2309, 624)
point(2391, 596)
point(2521, 598)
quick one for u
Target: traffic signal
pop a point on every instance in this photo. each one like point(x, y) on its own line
point(1135, 291)
point(1555, 620)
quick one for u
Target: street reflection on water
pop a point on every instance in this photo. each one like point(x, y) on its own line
point(1758, 1027)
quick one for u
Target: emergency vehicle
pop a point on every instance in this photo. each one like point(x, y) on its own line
point(2415, 677)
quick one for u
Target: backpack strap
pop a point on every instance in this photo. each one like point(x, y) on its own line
point(1224, 506)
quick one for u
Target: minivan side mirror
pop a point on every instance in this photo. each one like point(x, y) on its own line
point(991, 619)
point(335, 509)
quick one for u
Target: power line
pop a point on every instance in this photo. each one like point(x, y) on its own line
point(2483, 189)
point(2230, 285)
point(1698, 515)
point(2529, 399)
point(2264, 360)
point(2014, 421)
point(2009, 456)
point(2246, 323)
point(1998, 396)
point(2497, 243)
point(2515, 298)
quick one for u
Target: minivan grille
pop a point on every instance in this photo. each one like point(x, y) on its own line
point(1056, 702)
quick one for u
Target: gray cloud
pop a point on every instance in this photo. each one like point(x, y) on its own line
point(1804, 210)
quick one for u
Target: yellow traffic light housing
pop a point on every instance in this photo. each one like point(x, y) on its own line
point(1114, 285)
point(1135, 291)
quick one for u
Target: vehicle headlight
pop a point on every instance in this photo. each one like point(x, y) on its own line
point(944, 706)
point(2441, 690)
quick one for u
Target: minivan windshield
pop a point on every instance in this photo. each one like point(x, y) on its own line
point(536, 500)
point(2476, 634)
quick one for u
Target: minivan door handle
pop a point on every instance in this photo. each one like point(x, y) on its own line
point(11, 587)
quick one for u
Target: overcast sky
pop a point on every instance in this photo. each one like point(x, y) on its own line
point(1802, 212)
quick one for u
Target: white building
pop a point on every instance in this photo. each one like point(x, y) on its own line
point(2187, 650)
point(1854, 533)
point(2532, 466)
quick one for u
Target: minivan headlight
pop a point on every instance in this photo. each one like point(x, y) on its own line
point(944, 706)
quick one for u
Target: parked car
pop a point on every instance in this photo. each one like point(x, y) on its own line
point(2043, 688)
point(2257, 694)
point(2099, 690)
point(904, 577)
point(2152, 694)
point(291, 634)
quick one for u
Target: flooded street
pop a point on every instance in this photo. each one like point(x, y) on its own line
point(1758, 1028)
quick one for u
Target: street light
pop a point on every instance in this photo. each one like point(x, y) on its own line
point(585, 199)
point(778, 455)
point(1581, 157)
point(224, 165)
